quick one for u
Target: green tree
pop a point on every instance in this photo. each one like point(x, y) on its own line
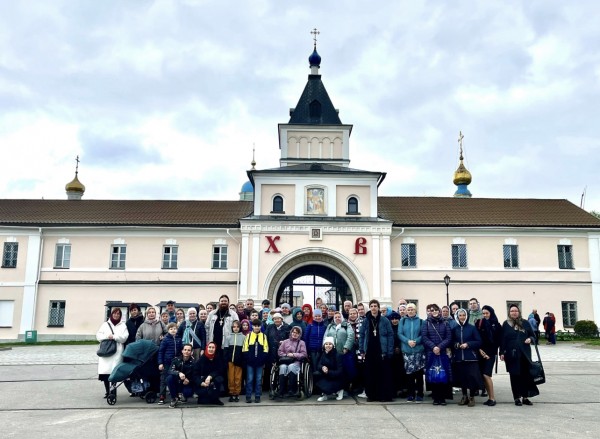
point(595, 213)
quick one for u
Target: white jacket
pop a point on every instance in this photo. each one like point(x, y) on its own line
point(107, 364)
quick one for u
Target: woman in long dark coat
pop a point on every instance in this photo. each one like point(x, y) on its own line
point(515, 351)
point(436, 336)
point(465, 344)
point(490, 331)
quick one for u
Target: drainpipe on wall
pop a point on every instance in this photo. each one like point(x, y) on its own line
point(37, 277)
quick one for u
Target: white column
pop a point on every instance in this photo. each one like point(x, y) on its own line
point(387, 269)
point(255, 263)
point(594, 250)
point(244, 293)
point(376, 268)
point(32, 264)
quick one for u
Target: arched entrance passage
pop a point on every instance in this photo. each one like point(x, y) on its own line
point(307, 283)
point(338, 267)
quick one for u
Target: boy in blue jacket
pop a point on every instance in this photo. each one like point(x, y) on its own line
point(256, 353)
point(170, 347)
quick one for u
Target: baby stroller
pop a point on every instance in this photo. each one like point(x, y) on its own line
point(139, 370)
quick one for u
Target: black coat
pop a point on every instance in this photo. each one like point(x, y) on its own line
point(205, 367)
point(275, 336)
point(333, 380)
point(133, 323)
point(513, 346)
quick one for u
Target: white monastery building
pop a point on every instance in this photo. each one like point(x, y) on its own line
point(314, 227)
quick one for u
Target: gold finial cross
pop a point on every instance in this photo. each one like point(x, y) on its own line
point(77, 165)
point(460, 143)
point(253, 162)
point(314, 33)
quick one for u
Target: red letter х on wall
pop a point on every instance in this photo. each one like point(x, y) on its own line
point(272, 245)
point(360, 246)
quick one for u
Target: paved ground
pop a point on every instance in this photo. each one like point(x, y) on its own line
point(52, 392)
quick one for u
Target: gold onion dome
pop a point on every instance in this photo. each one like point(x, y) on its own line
point(75, 185)
point(462, 175)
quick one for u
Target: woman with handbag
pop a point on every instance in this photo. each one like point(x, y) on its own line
point(111, 335)
point(515, 351)
point(436, 337)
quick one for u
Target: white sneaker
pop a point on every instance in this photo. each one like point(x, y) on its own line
point(363, 395)
point(340, 395)
point(322, 398)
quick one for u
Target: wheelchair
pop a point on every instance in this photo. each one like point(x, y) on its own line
point(304, 385)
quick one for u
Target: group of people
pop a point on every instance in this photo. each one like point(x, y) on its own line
point(375, 353)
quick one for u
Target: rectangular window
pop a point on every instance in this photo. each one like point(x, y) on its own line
point(170, 257)
point(565, 257)
point(62, 258)
point(464, 304)
point(9, 255)
point(409, 255)
point(117, 257)
point(56, 313)
point(569, 313)
point(7, 309)
point(459, 255)
point(219, 257)
point(511, 256)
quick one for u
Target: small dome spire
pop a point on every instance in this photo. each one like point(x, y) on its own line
point(462, 176)
point(75, 188)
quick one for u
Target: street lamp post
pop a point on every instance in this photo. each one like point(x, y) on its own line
point(447, 282)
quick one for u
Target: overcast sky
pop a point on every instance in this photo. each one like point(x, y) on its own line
point(164, 100)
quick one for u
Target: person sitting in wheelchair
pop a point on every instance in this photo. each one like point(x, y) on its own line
point(291, 353)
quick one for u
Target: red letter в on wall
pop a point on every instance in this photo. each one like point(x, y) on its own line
point(272, 245)
point(360, 246)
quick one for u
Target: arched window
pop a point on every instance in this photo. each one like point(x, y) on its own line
point(352, 205)
point(277, 204)
point(314, 110)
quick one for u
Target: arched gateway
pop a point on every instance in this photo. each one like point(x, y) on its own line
point(316, 272)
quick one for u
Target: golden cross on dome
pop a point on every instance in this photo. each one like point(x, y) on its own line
point(314, 33)
point(460, 142)
point(77, 165)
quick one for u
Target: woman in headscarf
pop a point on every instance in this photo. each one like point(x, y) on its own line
point(192, 331)
point(112, 329)
point(307, 313)
point(152, 328)
point(246, 327)
point(515, 351)
point(465, 344)
point(490, 332)
point(342, 334)
point(298, 319)
point(208, 376)
point(409, 331)
point(329, 372)
point(436, 336)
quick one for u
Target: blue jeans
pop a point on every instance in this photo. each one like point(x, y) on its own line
point(176, 387)
point(254, 381)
